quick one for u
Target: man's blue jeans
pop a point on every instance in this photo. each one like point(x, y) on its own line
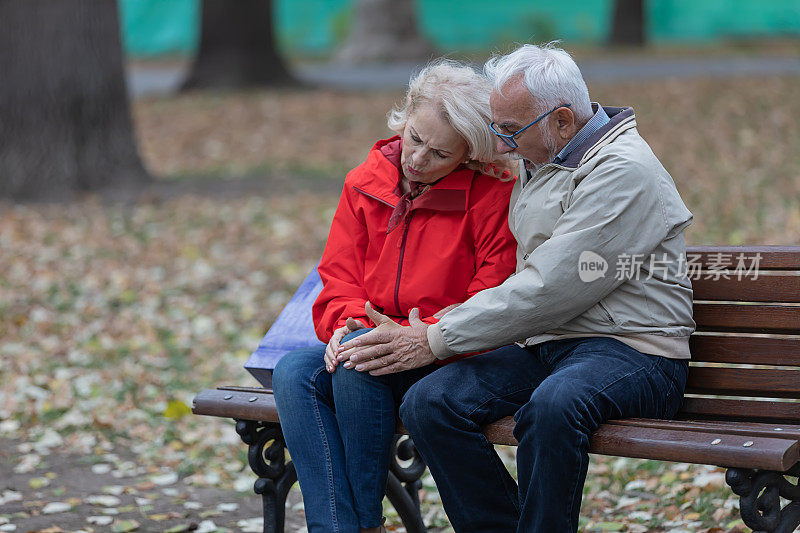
point(339, 429)
point(559, 392)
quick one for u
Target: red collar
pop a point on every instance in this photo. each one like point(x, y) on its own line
point(451, 193)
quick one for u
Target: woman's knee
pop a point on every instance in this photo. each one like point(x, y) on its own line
point(350, 381)
point(296, 369)
point(354, 334)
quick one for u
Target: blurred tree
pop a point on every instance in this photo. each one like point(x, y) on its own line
point(237, 47)
point(65, 122)
point(384, 30)
point(628, 25)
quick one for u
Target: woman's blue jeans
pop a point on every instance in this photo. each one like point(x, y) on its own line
point(339, 429)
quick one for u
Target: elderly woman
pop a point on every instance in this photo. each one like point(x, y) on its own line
point(419, 228)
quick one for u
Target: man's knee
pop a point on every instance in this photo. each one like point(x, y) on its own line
point(551, 412)
point(421, 405)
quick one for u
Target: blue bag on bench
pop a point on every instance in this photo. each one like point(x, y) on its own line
point(293, 329)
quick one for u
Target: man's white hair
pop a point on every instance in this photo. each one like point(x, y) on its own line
point(462, 97)
point(548, 72)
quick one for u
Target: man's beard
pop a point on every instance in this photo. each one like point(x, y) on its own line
point(549, 144)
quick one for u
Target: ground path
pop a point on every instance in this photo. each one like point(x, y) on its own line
point(64, 491)
point(146, 80)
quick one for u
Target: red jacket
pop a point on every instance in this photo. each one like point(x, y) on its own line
point(453, 243)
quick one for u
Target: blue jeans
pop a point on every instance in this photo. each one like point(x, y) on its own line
point(559, 392)
point(339, 429)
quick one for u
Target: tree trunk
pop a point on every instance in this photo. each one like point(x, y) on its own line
point(65, 123)
point(384, 31)
point(237, 47)
point(628, 25)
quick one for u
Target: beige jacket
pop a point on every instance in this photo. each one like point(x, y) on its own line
point(601, 252)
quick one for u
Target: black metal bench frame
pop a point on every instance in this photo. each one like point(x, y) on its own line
point(739, 416)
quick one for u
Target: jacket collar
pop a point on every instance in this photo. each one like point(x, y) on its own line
point(451, 193)
point(620, 119)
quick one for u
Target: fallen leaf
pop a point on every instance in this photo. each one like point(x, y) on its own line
point(611, 526)
point(165, 479)
point(56, 507)
point(123, 526)
point(101, 468)
point(37, 483)
point(227, 507)
point(180, 528)
point(104, 500)
point(251, 525)
point(206, 526)
point(176, 409)
point(9, 496)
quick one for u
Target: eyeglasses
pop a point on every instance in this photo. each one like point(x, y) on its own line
point(508, 138)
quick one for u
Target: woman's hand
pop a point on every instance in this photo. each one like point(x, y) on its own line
point(441, 312)
point(332, 349)
point(389, 347)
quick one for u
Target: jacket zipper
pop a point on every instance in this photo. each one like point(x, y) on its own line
point(407, 224)
point(401, 245)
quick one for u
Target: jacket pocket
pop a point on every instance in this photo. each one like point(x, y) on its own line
point(606, 313)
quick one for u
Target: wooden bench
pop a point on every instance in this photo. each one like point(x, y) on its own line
point(741, 411)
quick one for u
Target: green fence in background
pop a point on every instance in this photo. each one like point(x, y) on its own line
point(156, 27)
point(315, 27)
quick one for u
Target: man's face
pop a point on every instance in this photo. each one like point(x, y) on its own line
point(512, 111)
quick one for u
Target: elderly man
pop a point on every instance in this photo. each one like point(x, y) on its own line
point(593, 325)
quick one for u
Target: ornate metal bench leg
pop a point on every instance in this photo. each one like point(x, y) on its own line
point(404, 483)
point(760, 492)
point(267, 457)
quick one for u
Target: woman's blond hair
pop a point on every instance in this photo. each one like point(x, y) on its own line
point(462, 97)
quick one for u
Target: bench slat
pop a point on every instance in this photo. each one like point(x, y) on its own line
point(647, 439)
point(753, 382)
point(773, 288)
point(213, 402)
point(682, 444)
point(257, 390)
point(695, 447)
point(762, 318)
point(778, 431)
point(745, 350)
point(772, 257)
point(753, 410)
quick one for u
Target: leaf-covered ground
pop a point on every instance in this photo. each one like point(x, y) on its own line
point(732, 145)
point(112, 316)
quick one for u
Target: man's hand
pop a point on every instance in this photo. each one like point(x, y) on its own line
point(390, 347)
point(333, 345)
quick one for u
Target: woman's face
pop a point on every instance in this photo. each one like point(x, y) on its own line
point(432, 149)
